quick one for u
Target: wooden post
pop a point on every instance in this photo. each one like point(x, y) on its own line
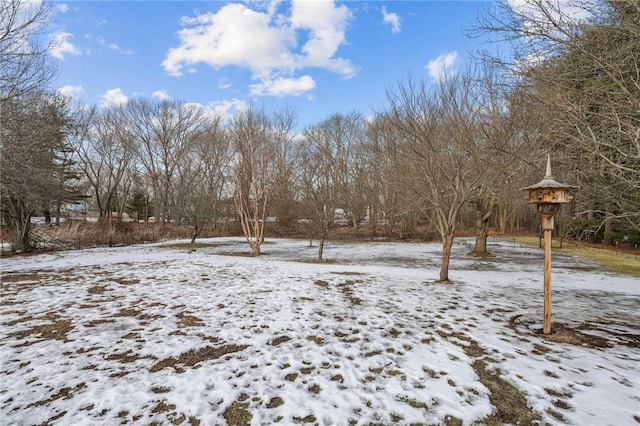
point(547, 282)
point(548, 195)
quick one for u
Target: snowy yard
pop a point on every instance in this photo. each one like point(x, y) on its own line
point(156, 334)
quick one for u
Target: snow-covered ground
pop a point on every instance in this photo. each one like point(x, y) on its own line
point(156, 334)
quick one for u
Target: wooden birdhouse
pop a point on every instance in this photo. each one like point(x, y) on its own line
point(548, 195)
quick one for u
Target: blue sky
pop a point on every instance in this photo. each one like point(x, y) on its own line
point(314, 57)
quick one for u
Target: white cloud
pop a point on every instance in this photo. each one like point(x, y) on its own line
point(104, 43)
point(224, 83)
point(235, 35)
point(570, 8)
point(443, 66)
point(162, 95)
point(227, 108)
point(541, 16)
point(62, 7)
point(326, 25)
point(266, 43)
point(283, 86)
point(392, 19)
point(114, 97)
point(70, 91)
point(62, 46)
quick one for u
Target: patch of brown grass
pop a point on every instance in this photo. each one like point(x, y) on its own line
point(276, 401)
point(186, 320)
point(163, 406)
point(316, 339)
point(126, 281)
point(57, 329)
point(237, 413)
point(347, 290)
point(279, 340)
point(308, 419)
point(509, 402)
point(6, 278)
point(195, 356)
point(97, 289)
point(96, 322)
point(321, 283)
point(125, 357)
point(563, 334)
point(64, 393)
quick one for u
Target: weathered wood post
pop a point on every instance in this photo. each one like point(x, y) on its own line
point(548, 195)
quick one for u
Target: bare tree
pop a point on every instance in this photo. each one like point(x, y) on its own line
point(503, 150)
point(387, 176)
point(319, 180)
point(25, 66)
point(251, 138)
point(202, 176)
point(439, 144)
point(283, 169)
point(325, 172)
point(164, 133)
point(105, 155)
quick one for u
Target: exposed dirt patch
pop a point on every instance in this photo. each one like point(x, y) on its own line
point(276, 401)
point(291, 377)
point(97, 322)
point(280, 339)
point(97, 289)
point(163, 407)
point(626, 339)
point(64, 393)
point(127, 312)
point(316, 339)
point(186, 320)
point(337, 378)
point(126, 281)
point(308, 419)
point(452, 421)
point(237, 413)
point(57, 329)
point(347, 290)
point(125, 357)
point(19, 277)
point(315, 389)
point(563, 334)
point(559, 333)
point(196, 356)
point(321, 283)
point(510, 403)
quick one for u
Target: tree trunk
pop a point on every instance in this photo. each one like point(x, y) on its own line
point(373, 219)
point(447, 244)
point(320, 248)
point(196, 233)
point(483, 214)
point(22, 226)
point(608, 227)
point(58, 213)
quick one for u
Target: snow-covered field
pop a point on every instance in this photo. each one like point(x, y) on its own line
point(156, 334)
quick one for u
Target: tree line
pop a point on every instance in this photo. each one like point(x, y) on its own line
point(448, 154)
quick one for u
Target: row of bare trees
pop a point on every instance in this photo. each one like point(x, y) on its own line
point(435, 153)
